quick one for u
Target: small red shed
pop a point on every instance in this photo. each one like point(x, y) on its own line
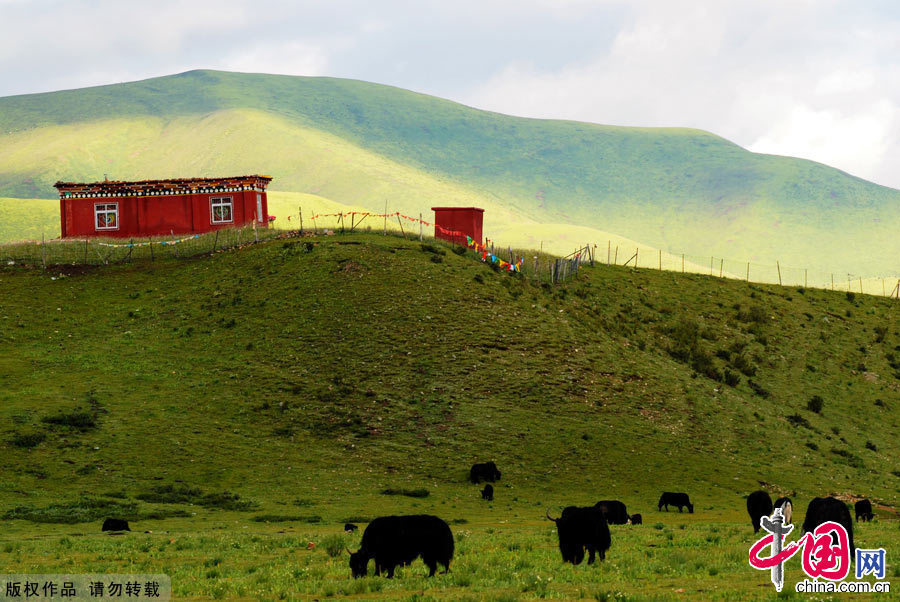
point(467, 220)
point(161, 207)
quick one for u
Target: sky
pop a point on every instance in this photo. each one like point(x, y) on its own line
point(818, 79)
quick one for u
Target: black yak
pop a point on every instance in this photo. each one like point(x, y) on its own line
point(787, 508)
point(350, 527)
point(115, 524)
point(614, 511)
point(824, 509)
point(580, 528)
point(863, 510)
point(484, 472)
point(637, 519)
point(759, 504)
point(675, 499)
point(398, 540)
point(488, 493)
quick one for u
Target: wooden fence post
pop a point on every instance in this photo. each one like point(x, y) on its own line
point(215, 241)
point(300, 211)
point(401, 226)
point(616, 258)
point(420, 227)
point(778, 265)
point(721, 265)
point(748, 271)
point(43, 258)
point(85, 250)
point(150, 244)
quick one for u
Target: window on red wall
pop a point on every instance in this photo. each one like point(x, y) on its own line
point(106, 216)
point(222, 209)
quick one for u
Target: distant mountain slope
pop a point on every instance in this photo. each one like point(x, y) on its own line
point(677, 189)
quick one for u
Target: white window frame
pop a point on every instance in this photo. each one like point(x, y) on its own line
point(107, 208)
point(221, 201)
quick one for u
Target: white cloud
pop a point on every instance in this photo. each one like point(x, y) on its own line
point(286, 58)
point(857, 143)
point(801, 81)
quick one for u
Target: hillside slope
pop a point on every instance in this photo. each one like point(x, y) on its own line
point(367, 362)
point(355, 143)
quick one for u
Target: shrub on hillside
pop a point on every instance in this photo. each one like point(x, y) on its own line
point(27, 440)
point(815, 404)
point(758, 389)
point(406, 492)
point(81, 420)
point(798, 420)
point(743, 363)
point(756, 314)
point(334, 545)
point(732, 379)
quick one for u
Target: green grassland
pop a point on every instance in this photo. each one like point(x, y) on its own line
point(357, 143)
point(292, 383)
point(28, 219)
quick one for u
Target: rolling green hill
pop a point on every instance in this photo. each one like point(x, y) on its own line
point(318, 375)
point(357, 143)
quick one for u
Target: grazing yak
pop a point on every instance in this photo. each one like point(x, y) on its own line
point(759, 504)
point(637, 519)
point(579, 528)
point(824, 509)
point(675, 499)
point(488, 493)
point(115, 524)
point(486, 472)
point(787, 509)
point(614, 511)
point(350, 527)
point(398, 540)
point(863, 510)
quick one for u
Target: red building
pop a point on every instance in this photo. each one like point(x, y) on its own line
point(161, 207)
point(467, 220)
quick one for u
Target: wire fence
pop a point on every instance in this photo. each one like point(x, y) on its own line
point(532, 264)
point(536, 265)
point(751, 272)
point(102, 251)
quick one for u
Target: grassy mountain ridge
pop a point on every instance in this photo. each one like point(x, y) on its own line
point(315, 342)
point(675, 189)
